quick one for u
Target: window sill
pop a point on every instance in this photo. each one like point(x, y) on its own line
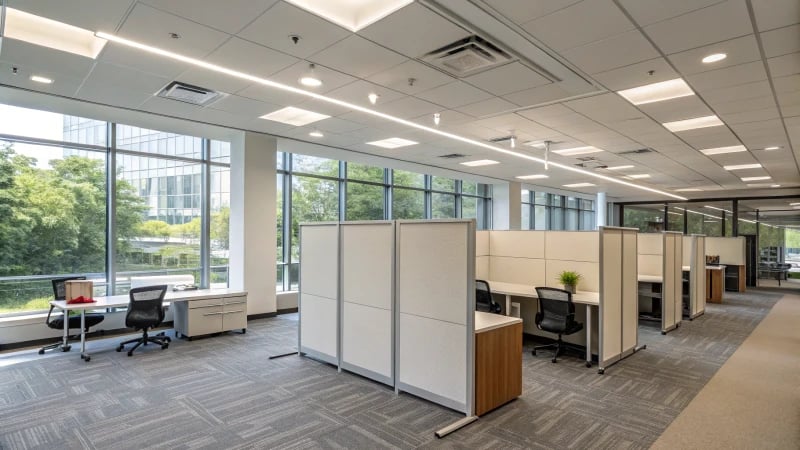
point(21, 320)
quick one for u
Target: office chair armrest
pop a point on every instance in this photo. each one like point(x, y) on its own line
point(538, 318)
point(47, 321)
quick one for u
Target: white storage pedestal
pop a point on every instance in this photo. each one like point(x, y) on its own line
point(211, 315)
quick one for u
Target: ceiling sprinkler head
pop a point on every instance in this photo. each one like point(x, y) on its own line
point(295, 38)
point(174, 35)
point(411, 81)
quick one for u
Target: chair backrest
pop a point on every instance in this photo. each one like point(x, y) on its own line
point(60, 287)
point(145, 308)
point(483, 298)
point(556, 304)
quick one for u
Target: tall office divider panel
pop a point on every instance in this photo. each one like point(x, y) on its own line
point(435, 294)
point(517, 257)
point(367, 286)
point(318, 303)
point(675, 244)
point(630, 291)
point(611, 299)
point(697, 276)
point(731, 252)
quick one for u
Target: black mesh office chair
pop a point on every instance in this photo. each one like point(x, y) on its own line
point(556, 315)
point(145, 311)
point(483, 298)
point(57, 323)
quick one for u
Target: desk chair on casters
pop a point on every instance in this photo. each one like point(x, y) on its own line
point(145, 311)
point(57, 323)
point(556, 315)
point(483, 298)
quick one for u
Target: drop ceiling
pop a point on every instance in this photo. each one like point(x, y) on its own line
point(568, 59)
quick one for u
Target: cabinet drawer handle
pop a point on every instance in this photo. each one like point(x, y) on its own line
point(231, 312)
point(207, 306)
point(213, 314)
point(237, 303)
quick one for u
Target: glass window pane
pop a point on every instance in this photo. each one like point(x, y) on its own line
point(573, 202)
point(220, 151)
point(279, 257)
point(220, 196)
point(279, 161)
point(587, 220)
point(313, 200)
point(364, 201)
point(315, 165)
point(675, 219)
point(556, 219)
point(540, 198)
point(443, 184)
point(556, 200)
point(526, 217)
point(587, 204)
point(647, 218)
point(408, 179)
point(526, 196)
point(470, 187)
point(52, 221)
point(159, 142)
point(364, 172)
point(443, 206)
point(408, 204)
point(539, 217)
point(53, 126)
point(571, 219)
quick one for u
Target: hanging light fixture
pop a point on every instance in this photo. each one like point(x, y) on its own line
point(436, 119)
point(513, 141)
point(310, 78)
point(546, 154)
point(373, 97)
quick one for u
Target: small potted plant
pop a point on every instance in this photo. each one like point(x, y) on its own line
point(570, 280)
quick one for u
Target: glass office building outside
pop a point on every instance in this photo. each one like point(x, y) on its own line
point(546, 211)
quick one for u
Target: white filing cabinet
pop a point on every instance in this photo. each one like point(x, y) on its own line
point(195, 317)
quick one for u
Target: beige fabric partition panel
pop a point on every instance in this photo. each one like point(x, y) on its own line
point(572, 245)
point(671, 286)
point(697, 275)
point(518, 270)
point(517, 244)
point(731, 250)
point(319, 291)
point(630, 291)
point(482, 255)
point(650, 254)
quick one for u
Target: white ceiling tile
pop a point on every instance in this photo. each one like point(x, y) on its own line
point(729, 76)
point(272, 95)
point(771, 14)
point(322, 107)
point(151, 26)
point(507, 78)
point(750, 116)
point(372, 58)
point(781, 41)
point(274, 27)
point(212, 80)
point(36, 58)
point(229, 16)
point(142, 61)
point(488, 107)
point(337, 125)
point(331, 79)
point(616, 51)
point(521, 125)
point(719, 22)
point(124, 78)
point(787, 85)
point(521, 12)
point(112, 95)
point(169, 107)
point(637, 75)
point(586, 21)
point(414, 31)
point(750, 104)
point(250, 58)
point(397, 78)
point(453, 95)
point(709, 137)
point(605, 108)
point(357, 92)
point(242, 106)
point(740, 50)
point(62, 84)
point(676, 109)
point(538, 95)
point(647, 12)
point(105, 14)
point(408, 107)
point(788, 64)
point(739, 92)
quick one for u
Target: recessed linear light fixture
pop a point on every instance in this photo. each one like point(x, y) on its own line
point(639, 176)
point(392, 143)
point(577, 151)
point(40, 79)
point(294, 116)
point(532, 177)
point(579, 185)
point(721, 150)
point(351, 106)
point(51, 33)
point(776, 185)
point(694, 123)
point(316, 134)
point(688, 190)
point(742, 166)
point(657, 92)
point(620, 167)
point(758, 184)
point(745, 179)
point(714, 57)
point(774, 147)
point(794, 204)
point(480, 162)
point(718, 209)
point(352, 14)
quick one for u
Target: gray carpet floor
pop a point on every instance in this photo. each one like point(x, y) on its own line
point(224, 392)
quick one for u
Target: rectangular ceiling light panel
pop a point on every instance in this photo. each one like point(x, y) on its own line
point(742, 166)
point(351, 14)
point(532, 177)
point(577, 151)
point(52, 34)
point(639, 175)
point(620, 167)
point(688, 190)
point(692, 124)
point(392, 143)
point(294, 116)
point(657, 92)
point(480, 162)
point(578, 185)
point(721, 150)
point(745, 179)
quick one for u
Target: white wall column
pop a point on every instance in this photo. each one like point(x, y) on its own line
point(253, 218)
point(507, 206)
point(601, 209)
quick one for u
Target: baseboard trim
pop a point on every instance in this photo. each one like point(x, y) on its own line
point(287, 310)
point(101, 334)
point(261, 316)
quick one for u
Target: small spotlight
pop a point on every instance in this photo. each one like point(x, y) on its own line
point(513, 141)
point(316, 134)
point(310, 78)
point(373, 97)
point(437, 118)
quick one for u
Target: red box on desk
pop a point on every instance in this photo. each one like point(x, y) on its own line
point(77, 288)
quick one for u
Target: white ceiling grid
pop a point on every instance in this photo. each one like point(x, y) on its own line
point(614, 44)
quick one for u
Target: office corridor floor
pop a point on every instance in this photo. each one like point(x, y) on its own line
point(224, 392)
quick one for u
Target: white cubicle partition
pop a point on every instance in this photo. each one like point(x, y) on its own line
point(318, 300)
point(367, 299)
point(435, 296)
point(731, 250)
point(660, 260)
point(619, 308)
point(694, 257)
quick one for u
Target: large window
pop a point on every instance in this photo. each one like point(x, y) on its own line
point(545, 211)
point(320, 189)
point(54, 202)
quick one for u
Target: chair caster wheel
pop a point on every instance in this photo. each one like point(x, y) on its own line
point(163, 346)
point(601, 371)
point(119, 349)
point(553, 360)
point(533, 352)
point(588, 364)
point(130, 353)
point(87, 359)
point(41, 351)
point(244, 330)
point(66, 348)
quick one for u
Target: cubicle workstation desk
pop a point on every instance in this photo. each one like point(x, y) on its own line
point(498, 360)
point(715, 283)
point(203, 311)
point(588, 299)
point(655, 283)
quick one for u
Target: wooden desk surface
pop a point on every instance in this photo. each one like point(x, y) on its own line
point(528, 290)
point(487, 321)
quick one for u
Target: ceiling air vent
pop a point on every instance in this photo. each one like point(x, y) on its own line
point(467, 56)
point(453, 156)
point(637, 151)
point(187, 93)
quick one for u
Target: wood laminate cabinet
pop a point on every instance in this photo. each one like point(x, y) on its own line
point(498, 361)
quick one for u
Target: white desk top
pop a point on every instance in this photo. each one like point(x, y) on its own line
point(527, 290)
point(650, 278)
point(116, 301)
point(715, 267)
point(487, 321)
